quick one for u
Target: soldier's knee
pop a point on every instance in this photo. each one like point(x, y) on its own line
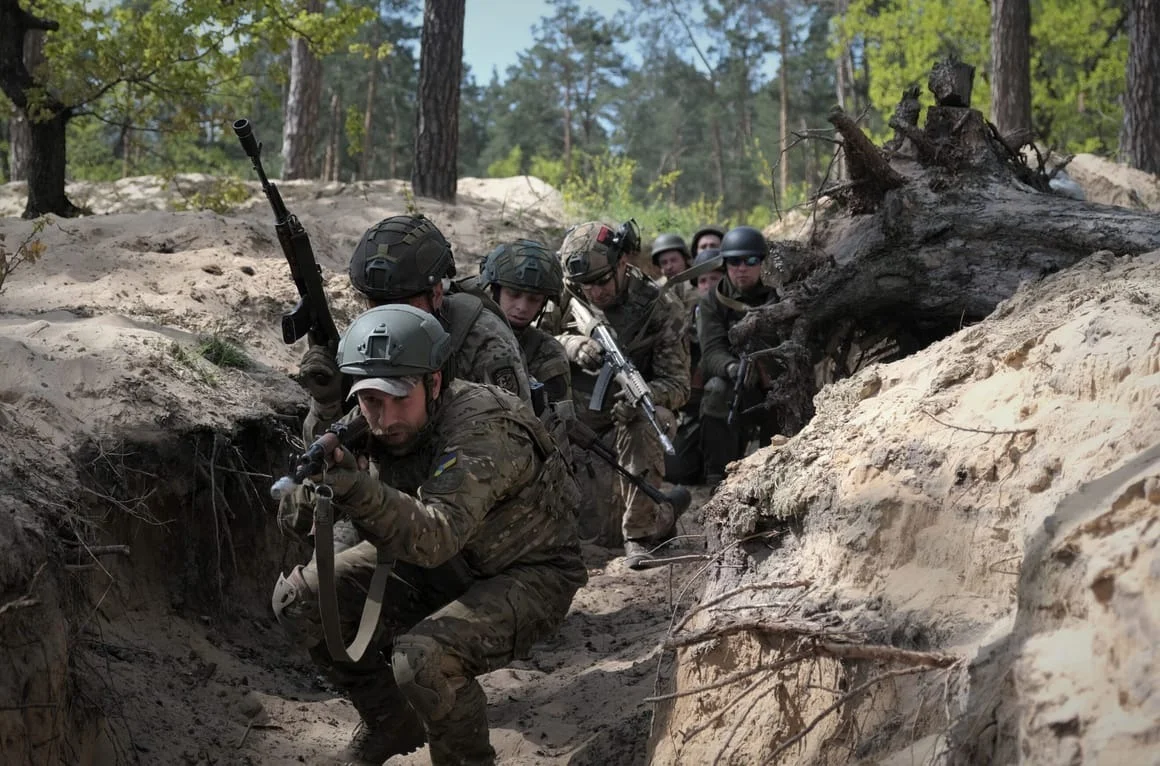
point(715, 401)
point(296, 609)
point(421, 672)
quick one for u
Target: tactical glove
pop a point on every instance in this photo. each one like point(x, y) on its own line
point(733, 369)
point(318, 373)
point(624, 411)
point(583, 351)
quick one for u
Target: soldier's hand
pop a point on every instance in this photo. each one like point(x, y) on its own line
point(583, 351)
point(624, 411)
point(318, 373)
point(733, 369)
point(296, 511)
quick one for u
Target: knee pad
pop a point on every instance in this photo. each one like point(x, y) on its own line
point(417, 662)
point(296, 609)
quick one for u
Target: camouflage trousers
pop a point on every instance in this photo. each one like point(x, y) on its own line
point(612, 508)
point(439, 629)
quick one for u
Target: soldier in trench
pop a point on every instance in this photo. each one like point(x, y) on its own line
point(466, 491)
point(406, 259)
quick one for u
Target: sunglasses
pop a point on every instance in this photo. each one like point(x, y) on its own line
point(748, 260)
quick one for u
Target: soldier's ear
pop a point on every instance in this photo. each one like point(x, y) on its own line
point(436, 384)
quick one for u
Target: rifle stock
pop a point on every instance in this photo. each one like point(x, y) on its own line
point(311, 315)
point(618, 366)
point(738, 388)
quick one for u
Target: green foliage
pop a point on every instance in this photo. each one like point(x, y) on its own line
point(223, 194)
point(552, 170)
point(1078, 51)
point(508, 166)
point(27, 251)
point(222, 352)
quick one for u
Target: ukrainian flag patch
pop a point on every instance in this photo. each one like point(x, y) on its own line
point(445, 462)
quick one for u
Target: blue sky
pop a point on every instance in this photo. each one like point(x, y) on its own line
point(494, 31)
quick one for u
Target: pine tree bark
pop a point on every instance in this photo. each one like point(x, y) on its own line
point(330, 161)
point(1141, 136)
point(1011, 69)
point(299, 131)
point(20, 138)
point(434, 173)
point(368, 144)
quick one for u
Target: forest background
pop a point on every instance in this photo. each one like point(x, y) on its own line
point(677, 112)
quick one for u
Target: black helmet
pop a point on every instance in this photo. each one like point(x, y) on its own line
point(523, 265)
point(711, 255)
point(741, 241)
point(666, 242)
point(400, 256)
point(711, 229)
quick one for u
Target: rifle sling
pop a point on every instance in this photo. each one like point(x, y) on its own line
point(327, 595)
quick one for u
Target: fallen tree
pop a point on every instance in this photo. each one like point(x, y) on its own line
point(927, 234)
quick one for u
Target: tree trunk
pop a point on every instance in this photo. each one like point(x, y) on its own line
point(1011, 69)
point(1141, 142)
point(913, 250)
point(46, 180)
point(437, 115)
point(718, 157)
point(783, 112)
point(20, 140)
point(331, 161)
point(393, 139)
point(368, 144)
point(567, 122)
point(299, 127)
point(46, 167)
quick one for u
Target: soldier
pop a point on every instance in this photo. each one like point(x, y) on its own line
point(465, 491)
point(523, 276)
point(686, 465)
point(405, 259)
point(743, 250)
point(706, 238)
point(650, 330)
point(671, 255)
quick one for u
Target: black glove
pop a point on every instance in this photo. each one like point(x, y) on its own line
point(624, 411)
point(318, 373)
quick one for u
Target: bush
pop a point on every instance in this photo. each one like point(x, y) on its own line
point(28, 251)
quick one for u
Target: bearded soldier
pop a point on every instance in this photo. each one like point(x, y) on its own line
point(466, 492)
point(405, 259)
point(649, 326)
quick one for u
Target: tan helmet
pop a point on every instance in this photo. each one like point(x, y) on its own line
point(592, 250)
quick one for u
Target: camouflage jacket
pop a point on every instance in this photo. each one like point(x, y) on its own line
point(650, 329)
point(547, 363)
point(717, 312)
point(485, 351)
point(484, 480)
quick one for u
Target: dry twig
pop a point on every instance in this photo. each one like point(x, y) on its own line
point(989, 431)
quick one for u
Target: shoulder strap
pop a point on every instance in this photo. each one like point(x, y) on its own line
point(461, 311)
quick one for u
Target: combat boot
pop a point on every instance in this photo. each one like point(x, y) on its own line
point(373, 744)
point(636, 554)
point(679, 499)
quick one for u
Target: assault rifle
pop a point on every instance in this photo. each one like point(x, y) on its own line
point(738, 387)
point(618, 366)
point(312, 314)
point(313, 460)
point(585, 438)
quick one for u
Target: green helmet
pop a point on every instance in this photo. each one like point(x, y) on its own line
point(669, 242)
point(523, 265)
point(393, 341)
point(591, 250)
point(400, 256)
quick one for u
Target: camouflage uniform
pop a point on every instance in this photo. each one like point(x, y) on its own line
point(403, 256)
point(547, 363)
point(650, 330)
point(487, 564)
